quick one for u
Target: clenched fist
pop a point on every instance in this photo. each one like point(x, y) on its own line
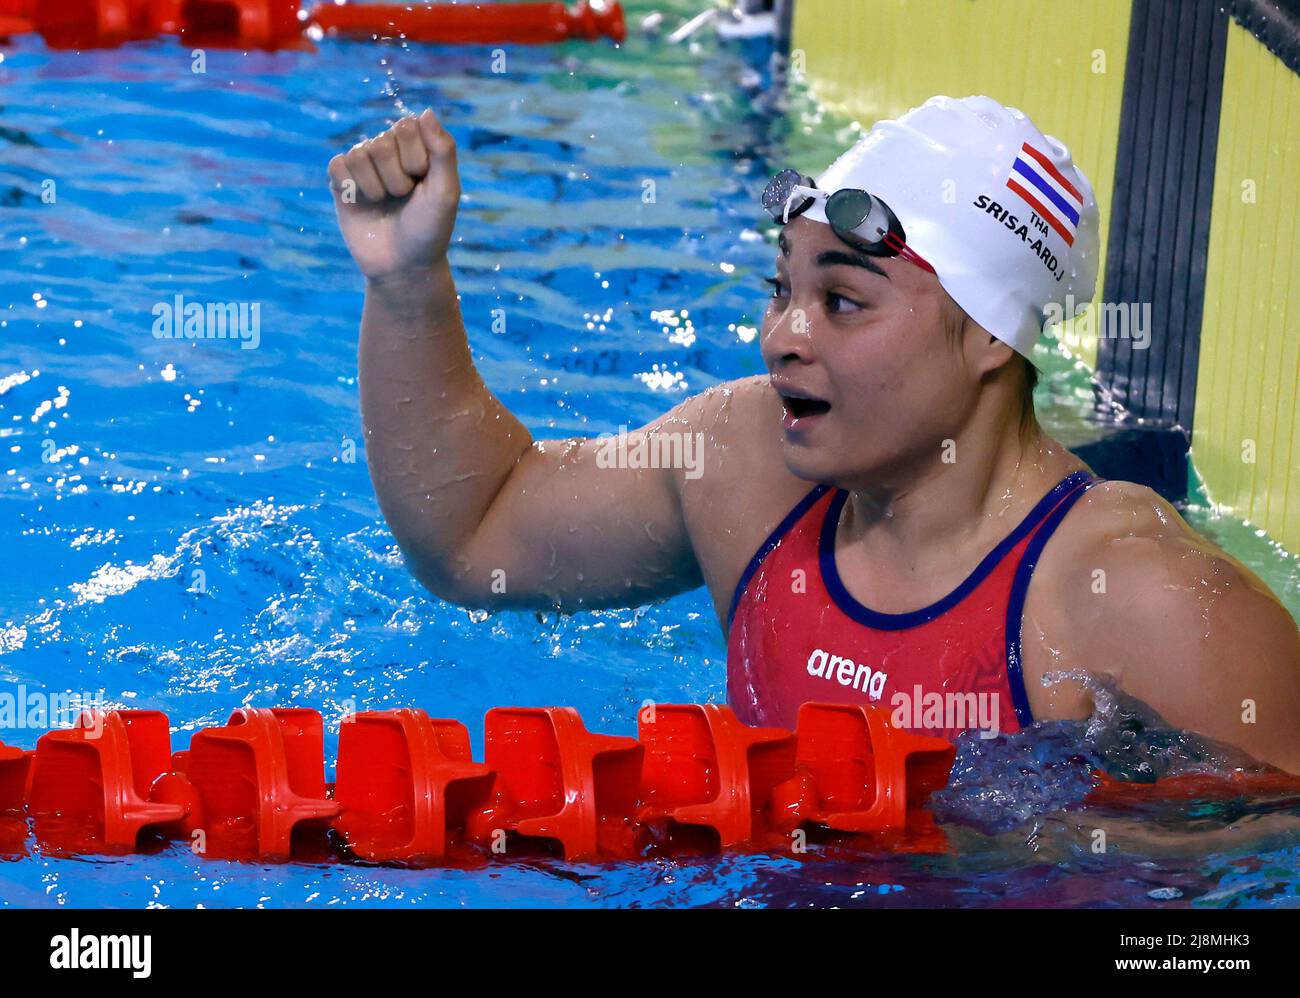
point(396, 196)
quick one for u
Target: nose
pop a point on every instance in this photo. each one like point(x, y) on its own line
point(787, 339)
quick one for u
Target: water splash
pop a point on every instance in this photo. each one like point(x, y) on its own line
point(1003, 783)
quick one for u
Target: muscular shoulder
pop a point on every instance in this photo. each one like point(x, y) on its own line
point(729, 412)
point(1128, 590)
point(1125, 560)
point(1126, 534)
point(738, 426)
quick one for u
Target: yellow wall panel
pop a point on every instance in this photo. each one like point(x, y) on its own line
point(1246, 390)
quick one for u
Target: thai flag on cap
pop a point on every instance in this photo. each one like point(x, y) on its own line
point(1042, 185)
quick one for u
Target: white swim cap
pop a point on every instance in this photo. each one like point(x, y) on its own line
point(999, 209)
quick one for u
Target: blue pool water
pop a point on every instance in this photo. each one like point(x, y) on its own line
point(138, 470)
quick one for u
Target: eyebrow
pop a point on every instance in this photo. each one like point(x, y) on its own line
point(836, 258)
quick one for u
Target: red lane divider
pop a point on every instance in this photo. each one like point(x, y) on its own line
point(704, 768)
point(14, 763)
point(88, 786)
point(408, 789)
point(468, 24)
point(16, 17)
point(406, 785)
point(277, 24)
point(85, 24)
point(259, 779)
point(1110, 792)
point(262, 24)
point(560, 782)
point(855, 772)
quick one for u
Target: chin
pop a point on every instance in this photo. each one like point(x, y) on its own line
point(812, 464)
point(827, 465)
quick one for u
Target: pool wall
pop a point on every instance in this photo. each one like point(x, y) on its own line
point(1181, 112)
point(1250, 347)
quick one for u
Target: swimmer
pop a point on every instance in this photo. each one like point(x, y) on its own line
point(881, 517)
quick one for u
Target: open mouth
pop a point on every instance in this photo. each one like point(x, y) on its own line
point(801, 408)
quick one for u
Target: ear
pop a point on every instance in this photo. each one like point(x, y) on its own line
point(985, 354)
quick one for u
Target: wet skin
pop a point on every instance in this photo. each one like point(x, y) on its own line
point(878, 384)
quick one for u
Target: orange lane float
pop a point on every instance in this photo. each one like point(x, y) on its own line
point(16, 17)
point(13, 777)
point(841, 780)
point(278, 24)
point(13, 783)
point(90, 785)
point(407, 785)
point(259, 781)
point(1110, 792)
point(408, 790)
point(704, 768)
point(84, 24)
point(560, 783)
point(468, 24)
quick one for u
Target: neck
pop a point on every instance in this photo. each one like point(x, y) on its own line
point(992, 477)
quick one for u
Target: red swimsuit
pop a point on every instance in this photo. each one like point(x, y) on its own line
point(796, 634)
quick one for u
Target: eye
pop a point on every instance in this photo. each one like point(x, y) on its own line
point(838, 304)
point(779, 290)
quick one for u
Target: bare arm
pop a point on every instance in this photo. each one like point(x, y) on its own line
point(1207, 645)
point(485, 515)
point(1136, 594)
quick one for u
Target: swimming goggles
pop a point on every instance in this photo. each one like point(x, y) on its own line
point(863, 221)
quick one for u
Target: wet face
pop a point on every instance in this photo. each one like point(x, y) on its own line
point(862, 352)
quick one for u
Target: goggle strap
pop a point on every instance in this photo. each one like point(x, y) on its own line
point(906, 252)
point(799, 191)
